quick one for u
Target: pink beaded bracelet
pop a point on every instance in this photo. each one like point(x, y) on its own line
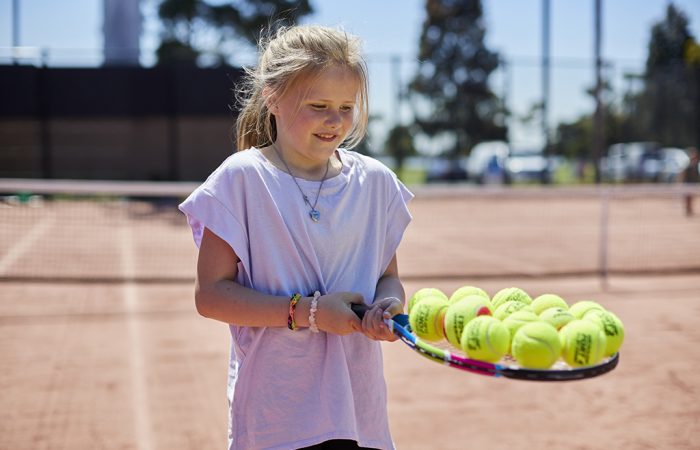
point(312, 313)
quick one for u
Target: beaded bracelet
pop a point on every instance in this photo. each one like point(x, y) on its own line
point(291, 323)
point(312, 314)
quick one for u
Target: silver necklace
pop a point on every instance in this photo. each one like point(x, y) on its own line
point(313, 212)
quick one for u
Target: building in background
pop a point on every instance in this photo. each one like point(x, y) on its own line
point(122, 31)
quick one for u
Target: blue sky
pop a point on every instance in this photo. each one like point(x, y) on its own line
point(71, 29)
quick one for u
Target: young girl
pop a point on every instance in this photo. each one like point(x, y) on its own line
point(292, 231)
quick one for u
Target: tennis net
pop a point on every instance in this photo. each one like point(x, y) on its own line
point(111, 231)
point(107, 231)
point(543, 231)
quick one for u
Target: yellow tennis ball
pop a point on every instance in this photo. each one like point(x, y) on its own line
point(426, 318)
point(467, 291)
point(579, 309)
point(557, 317)
point(611, 326)
point(508, 308)
point(510, 294)
point(485, 338)
point(536, 345)
point(517, 320)
point(420, 294)
point(582, 343)
point(460, 313)
point(546, 301)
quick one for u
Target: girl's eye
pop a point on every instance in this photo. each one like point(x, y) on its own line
point(320, 107)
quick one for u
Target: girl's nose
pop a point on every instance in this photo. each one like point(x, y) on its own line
point(333, 119)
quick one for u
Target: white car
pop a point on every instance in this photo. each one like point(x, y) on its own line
point(673, 162)
point(632, 161)
point(486, 162)
point(527, 164)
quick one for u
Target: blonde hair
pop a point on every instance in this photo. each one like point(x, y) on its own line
point(289, 56)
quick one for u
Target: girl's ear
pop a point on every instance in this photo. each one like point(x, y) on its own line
point(270, 100)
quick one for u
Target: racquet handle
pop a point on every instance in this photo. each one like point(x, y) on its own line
point(360, 310)
point(401, 319)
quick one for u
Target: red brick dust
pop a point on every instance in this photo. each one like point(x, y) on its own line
point(133, 366)
point(649, 401)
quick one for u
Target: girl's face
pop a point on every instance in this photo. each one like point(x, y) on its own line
point(314, 117)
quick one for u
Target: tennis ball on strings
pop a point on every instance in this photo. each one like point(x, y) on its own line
point(485, 338)
point(583, 343)
point(460, 313)
point(579, 309)
point(611, 326)
point(536, 345)
point(466, 291)
point(426, 318)
point(557, 317)
point(546, 301)
point(516, 320)
point(508, 308)
point(510, 294)
point(424, 293)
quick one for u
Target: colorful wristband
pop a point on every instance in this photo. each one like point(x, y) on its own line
point(291, 324)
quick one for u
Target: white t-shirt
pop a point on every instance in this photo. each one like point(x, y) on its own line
point(290, 389)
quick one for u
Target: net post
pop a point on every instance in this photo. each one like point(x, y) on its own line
point(603, 244)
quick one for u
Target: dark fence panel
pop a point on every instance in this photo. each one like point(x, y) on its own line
point(111, 122)
point(116, 91)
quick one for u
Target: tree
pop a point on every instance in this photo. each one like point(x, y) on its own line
point(574, 139)
point(399, 145)
point(692, 59)
point(198, 32)
point(669, 100)
point(665, 106)
point(450, 91)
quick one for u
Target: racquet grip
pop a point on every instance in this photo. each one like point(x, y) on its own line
point(360, 310)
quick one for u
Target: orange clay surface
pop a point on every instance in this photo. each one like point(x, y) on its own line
point(132, 365)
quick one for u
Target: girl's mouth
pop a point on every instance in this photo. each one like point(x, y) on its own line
point(326, 137)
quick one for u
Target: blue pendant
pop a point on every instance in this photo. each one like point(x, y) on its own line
point(315, 215)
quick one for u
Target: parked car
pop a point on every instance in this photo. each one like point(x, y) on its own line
point(441, 169)
point(486, 162)
point(673, 162)
point(613, 166)
point(527, 164)
point(632, 161)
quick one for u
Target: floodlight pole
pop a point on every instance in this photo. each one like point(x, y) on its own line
point(598, 149)
point(15, 30)
point(598, 138)
point(545, 74)
point(396, 80)
point(505, 92)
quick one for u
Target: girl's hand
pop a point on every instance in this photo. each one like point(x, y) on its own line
point(334, 314)
point(373, 325)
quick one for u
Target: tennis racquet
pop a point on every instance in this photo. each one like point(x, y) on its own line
point(507, 368)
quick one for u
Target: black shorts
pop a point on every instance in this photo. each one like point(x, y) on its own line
point(337, 444)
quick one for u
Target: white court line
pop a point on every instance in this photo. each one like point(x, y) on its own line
point(140, 403)
point(26, 241)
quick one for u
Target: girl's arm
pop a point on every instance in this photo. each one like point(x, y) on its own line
point(219, 297)
point(389, 299)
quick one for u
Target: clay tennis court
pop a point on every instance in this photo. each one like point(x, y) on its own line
point(121, 360)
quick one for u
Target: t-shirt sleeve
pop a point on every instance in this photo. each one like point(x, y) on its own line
point(218, 205)
point(398, 217)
